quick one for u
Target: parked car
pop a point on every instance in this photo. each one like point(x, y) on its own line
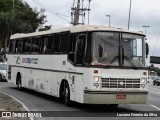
point(156, 81)
point(3, 71)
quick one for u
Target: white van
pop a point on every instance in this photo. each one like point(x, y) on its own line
point(3, 71)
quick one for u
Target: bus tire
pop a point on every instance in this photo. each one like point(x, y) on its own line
point(114, 105)
point(19, 82)
point(1, 77)
point(67, 100)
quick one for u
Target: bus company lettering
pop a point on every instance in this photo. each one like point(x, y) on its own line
point(30, 60)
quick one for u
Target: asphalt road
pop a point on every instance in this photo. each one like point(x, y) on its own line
point(40, 102)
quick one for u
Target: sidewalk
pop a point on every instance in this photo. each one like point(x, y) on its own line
point(7, 103)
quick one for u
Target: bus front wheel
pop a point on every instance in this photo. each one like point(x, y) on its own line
point(113, 105)
point(19, 83)
point(67, 95)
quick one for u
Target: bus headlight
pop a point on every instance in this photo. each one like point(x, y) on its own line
point(96, 79)
point(143, 80)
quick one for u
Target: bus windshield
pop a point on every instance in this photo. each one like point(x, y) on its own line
point(109, 49)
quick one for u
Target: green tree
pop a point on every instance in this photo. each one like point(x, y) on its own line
point(152, 68)
point(21, 19)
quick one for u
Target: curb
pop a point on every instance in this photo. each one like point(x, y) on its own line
point(23, 105)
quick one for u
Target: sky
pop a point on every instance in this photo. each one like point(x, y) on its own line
point(143, 13)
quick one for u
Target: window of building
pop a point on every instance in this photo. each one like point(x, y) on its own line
point(12, 46)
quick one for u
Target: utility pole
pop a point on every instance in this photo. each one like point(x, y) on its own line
point(109, 16)
point(129, 14)
point(76, 19)
point(88, 10)
point(42, 14)
point(78, 11)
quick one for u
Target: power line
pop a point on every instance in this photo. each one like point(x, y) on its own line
point(119, 10)
point(51, 10)
point(156, 43)
point(56, 14)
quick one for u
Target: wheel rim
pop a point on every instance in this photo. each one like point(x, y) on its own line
point(19, 84)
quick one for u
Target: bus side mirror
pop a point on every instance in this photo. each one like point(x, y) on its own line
point(147, 50)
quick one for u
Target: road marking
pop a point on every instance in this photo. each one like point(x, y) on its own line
point(154, 91)
point(155, 107)
point(25, 107)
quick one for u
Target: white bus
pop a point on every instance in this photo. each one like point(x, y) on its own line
point(86, 64)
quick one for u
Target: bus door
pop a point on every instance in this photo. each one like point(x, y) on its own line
point(76, 55)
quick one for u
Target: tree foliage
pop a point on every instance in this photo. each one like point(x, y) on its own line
point(152, 68)
point(21, 19)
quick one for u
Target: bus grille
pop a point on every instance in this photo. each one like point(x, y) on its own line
point(120, 83)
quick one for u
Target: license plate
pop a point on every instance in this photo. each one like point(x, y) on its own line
point(120, 96)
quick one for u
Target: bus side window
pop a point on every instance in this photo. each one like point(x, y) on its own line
point(12, 46)
point(35, 45)
point(45, 42)
point(63, 43)
point(56, 46)
point(60, 43)
point(49, 44)
point(80, 49)
point(19, 46)
point(41, 44)
point(72, 46)
point(27, 45)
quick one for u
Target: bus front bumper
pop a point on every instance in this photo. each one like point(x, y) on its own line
point(115, 97)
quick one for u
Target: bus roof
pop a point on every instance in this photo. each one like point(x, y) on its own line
point(73, 29)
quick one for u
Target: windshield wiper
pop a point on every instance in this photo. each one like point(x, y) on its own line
point(114, 59)
point(125, 57)
point(131, 63)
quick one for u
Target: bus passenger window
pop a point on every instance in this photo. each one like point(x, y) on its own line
point(35, 45)
point(41, 44)
point(72, 45)
point(80, 49)
point(63, 43)
point(12, 46)
point(49, 47)
point(45, 45)
point(27, 45)
point(19, 46)
point(60, 43)
point(56, 46)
